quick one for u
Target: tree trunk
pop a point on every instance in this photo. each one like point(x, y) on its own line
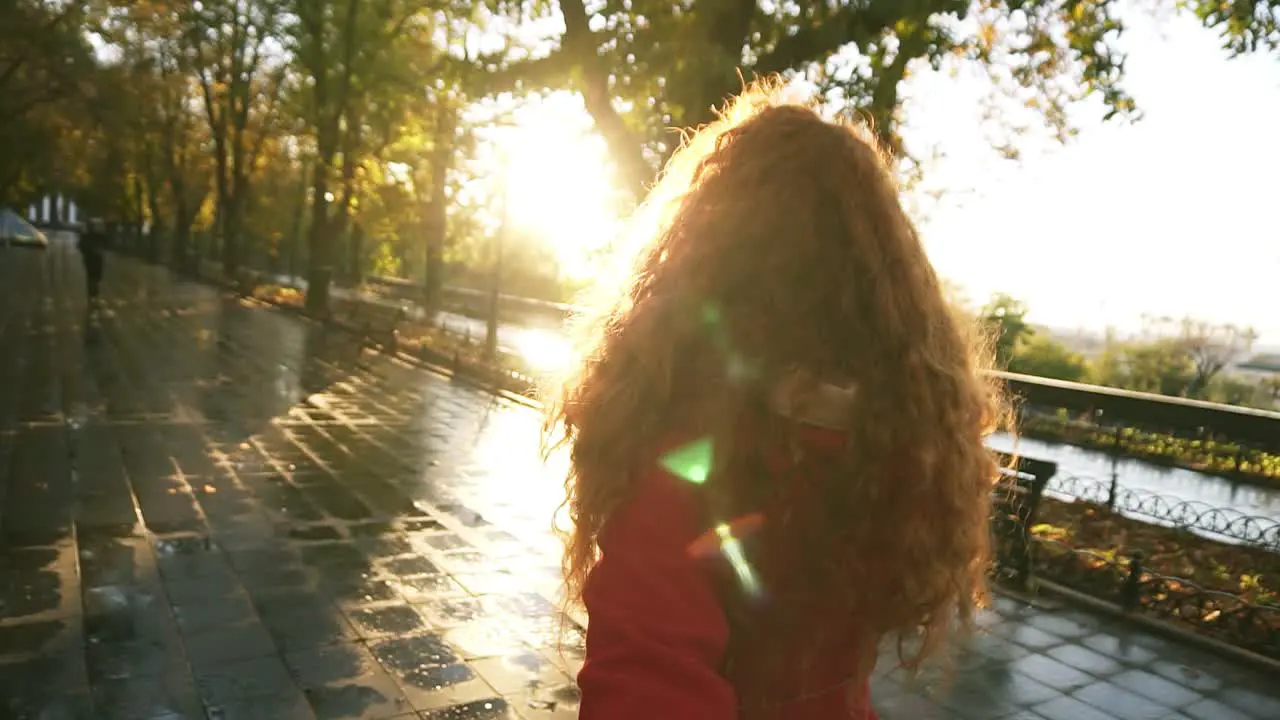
point(295, 232)
point(157, 222)
point(342, 217)
point(356, 260)
point(437, 219)
point(319, 265)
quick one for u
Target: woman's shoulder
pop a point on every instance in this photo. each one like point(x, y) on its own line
point(666, 505)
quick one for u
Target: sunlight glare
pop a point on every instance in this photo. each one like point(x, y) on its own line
point(559, 185)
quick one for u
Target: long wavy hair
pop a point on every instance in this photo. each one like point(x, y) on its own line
point(774, 246)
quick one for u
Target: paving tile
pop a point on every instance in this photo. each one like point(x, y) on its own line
point(309, 626)
point(484, 638)
point(1085, 660)
point(1202, 680)
point(238, 681)
point(386, 620)
point(1033, 638)
point(241, 641)
point(561, 703)
point(1121, 703)
point(55, 703)
point(196, 617)
point(290, 706)
point(1068, 708)
point(1209, 709)
point(446, 612)
point(333, 508)
point(425, 588)
point(1155, 687)
point(169, 694)
point(520, 672)
point(441, 686)
point(345, 681)
point(117, 660)
point(1119, 648)
point(1051, 672)
point(1253, 702)
point(495, 708)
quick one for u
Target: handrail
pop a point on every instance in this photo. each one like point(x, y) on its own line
point(1113, 406)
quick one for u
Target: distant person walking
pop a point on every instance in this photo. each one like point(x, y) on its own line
point(93, 245)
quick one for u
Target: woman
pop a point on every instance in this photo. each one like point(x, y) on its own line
point(777, 437)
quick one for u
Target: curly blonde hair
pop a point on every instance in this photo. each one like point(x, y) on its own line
point(775, 243)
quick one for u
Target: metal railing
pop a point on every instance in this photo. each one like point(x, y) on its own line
point(1127, 582)
point(1113, 408)
point(1215, 523)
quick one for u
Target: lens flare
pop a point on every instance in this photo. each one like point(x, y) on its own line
point(691, 462)
point(732, 549)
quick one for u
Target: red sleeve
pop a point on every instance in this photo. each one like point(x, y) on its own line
point(656, 632)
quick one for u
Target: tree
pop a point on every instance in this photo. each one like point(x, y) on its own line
point(645, 66)
point(1005, 318)
point(1270, 390)
point(47, 73)
point(158, 108)
point(1044, 357)
point(1245, 25)
point(1209, 347)
point(1156, 366)
point(232, 48)
point(356, 59)
point(1236, 390)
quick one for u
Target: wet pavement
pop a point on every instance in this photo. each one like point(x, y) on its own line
point(214, 509)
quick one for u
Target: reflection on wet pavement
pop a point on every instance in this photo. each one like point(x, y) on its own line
point(211, 509)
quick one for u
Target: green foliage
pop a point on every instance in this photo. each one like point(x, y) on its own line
point(1245, 25)
point(291, 129)
point(1044, 357)
point(47, 97)
point(1160, 366)
point(386, 261)
point(1006, 319)
point(646, 66)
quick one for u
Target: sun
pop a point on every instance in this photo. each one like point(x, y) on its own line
point(559, 185)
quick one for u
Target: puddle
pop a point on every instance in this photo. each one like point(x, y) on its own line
point(410, 565)
point(414, 653)
point(438, 677)
point(391, 620)
point(179, 546)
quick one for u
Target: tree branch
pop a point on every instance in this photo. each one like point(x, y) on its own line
point(624, 145)
point(853, 23)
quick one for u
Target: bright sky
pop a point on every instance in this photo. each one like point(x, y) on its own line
point(1172, 215)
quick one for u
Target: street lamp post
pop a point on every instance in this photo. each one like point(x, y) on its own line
point(495, 279)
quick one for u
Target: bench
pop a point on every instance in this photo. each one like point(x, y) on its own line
point(377, 322)
point(246, 280)
point(1015, 504)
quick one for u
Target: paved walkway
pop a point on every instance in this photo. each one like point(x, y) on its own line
point(210, 509)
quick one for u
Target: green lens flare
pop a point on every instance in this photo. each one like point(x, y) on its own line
point(691, 462)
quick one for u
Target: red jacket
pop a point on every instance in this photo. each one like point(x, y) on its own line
point(657, 631)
